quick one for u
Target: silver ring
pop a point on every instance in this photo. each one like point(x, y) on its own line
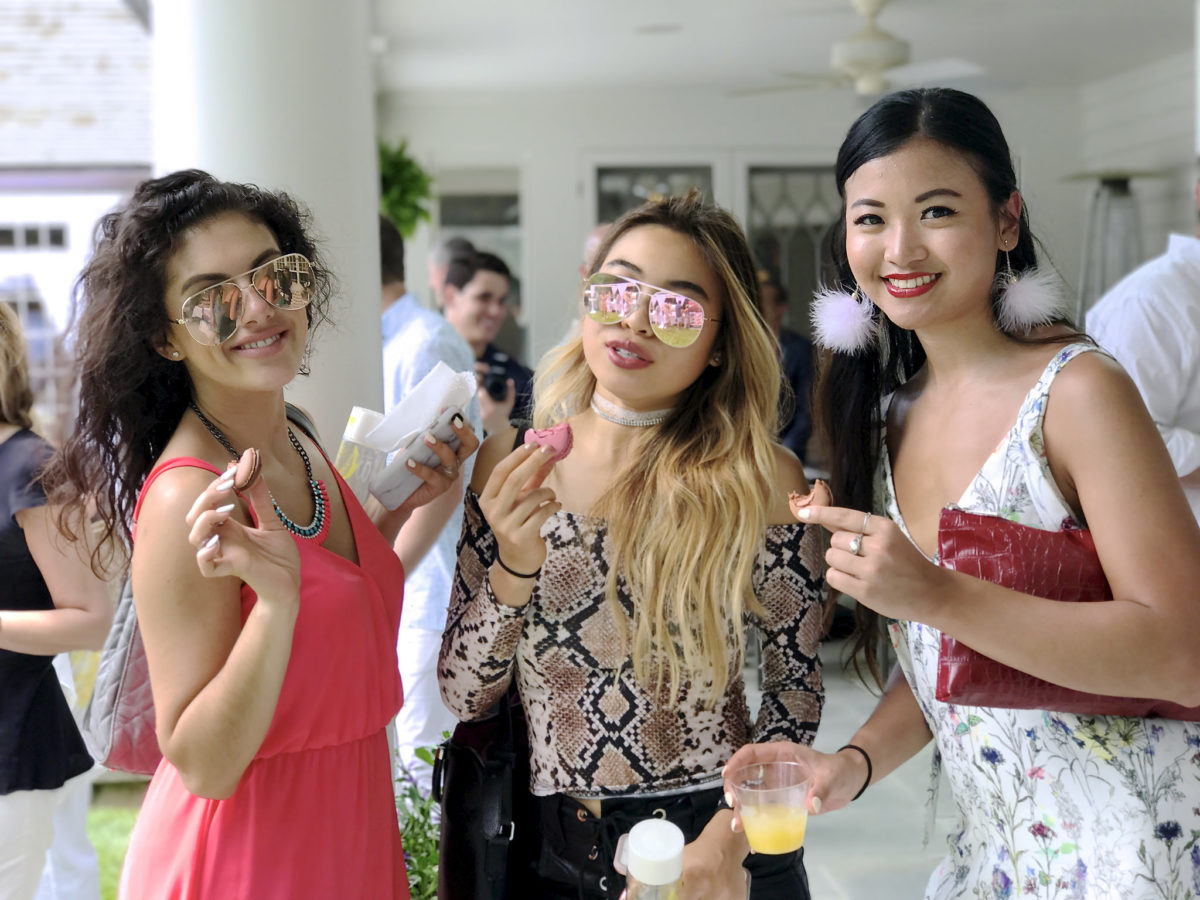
point(855, 544)
point(450, 472)
point(866, 522)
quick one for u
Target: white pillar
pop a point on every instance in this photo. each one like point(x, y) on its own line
point(280, 93)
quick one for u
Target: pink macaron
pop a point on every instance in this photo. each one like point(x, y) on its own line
point(559, 437)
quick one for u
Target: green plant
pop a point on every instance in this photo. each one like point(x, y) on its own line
point(404, 188)
point(419, 822)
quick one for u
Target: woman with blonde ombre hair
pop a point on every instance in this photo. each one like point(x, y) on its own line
point(613, 584)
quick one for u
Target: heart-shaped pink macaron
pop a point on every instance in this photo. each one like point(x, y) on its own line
point(559, 437)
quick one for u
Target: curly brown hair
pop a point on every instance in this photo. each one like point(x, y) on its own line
point(131, 398)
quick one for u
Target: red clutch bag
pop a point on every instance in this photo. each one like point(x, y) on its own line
point(1057, 565)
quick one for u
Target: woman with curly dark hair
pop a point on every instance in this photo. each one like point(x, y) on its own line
point(268, 603)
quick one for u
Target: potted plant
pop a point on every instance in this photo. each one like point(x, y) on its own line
point(404, 188)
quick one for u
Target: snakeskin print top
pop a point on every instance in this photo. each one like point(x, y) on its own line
point(594, 731)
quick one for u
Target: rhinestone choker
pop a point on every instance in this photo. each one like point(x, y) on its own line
point(618, 415)
point(319, 526)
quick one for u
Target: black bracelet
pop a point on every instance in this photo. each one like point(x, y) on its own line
point(517, 574)
point(865, 756)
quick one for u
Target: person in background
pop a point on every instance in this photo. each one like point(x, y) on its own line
point(591, 244)
point(72, 870)
point(440, 254)
point(955, 379)
point(1150, 322)
point(796, 359)
point(476, 289)
point(51, 603)
point(415, 340)
point(267, 597)
point(615, 586)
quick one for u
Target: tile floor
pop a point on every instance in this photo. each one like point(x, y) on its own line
point(873, 849)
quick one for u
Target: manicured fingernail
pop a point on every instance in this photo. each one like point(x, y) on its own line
point(412, 464)
point(530, 446)
point(816, 804)
point(211, 542)
point(457, 420)
point(729, 799)
point(803, 513)
point(731, 828)
point(228, 507)
point(548, 451)
point(431, 440)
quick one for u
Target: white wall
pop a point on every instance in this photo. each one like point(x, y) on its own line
point(74, 84)
point(1145, 119)
point(554, 137)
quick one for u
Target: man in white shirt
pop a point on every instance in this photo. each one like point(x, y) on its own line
point(1150, 321)
point(416, 339)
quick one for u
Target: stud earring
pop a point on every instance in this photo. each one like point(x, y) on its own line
point(715, 359)
point(842, 321)
point(175, 354)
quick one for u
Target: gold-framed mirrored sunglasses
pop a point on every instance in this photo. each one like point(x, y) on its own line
point(211, 316)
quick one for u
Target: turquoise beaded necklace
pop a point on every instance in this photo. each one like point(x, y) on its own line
point(319, 526)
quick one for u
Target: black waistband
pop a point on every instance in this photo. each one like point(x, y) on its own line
point(577, 848)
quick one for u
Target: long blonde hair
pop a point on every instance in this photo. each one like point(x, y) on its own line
point(687, 512)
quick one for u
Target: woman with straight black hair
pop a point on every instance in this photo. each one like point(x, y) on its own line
point(957, 381)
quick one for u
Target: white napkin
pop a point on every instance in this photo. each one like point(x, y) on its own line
point(439, 390)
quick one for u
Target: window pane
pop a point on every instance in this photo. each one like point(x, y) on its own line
point(621, 188)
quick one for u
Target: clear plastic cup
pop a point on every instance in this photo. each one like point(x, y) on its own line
point(771, 803)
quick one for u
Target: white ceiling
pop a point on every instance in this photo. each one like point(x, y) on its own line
point(732, 45)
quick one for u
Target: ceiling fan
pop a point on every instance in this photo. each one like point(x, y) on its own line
point(871, 61)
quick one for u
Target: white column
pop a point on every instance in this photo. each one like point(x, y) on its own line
point(280, 93)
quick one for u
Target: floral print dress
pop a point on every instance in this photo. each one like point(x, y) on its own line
point(1051, 805)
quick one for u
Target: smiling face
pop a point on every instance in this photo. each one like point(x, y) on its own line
point(265, 351)
point(922, 234)
point(633, 368)
point(477, 309)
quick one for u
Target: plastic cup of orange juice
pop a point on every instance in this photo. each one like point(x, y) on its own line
point(771, 801)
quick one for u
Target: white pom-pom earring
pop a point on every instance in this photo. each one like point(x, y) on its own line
point(842, 321)
point(1028, 300)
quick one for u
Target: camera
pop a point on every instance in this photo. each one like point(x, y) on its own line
point(495, 382)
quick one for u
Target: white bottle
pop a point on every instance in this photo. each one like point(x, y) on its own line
point(357, 461)
point(653, 857)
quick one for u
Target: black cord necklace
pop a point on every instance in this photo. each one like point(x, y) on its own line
point(319, 526)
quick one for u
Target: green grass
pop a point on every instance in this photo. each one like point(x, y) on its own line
point(109, 828)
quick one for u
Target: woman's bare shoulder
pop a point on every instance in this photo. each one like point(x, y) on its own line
point(788, 477)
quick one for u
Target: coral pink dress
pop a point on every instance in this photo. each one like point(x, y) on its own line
point(314, 814)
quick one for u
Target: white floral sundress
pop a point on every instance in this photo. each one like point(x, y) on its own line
point(1051, 805)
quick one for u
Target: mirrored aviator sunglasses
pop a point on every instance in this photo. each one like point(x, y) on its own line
point(211, 316)
point(675, 319)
